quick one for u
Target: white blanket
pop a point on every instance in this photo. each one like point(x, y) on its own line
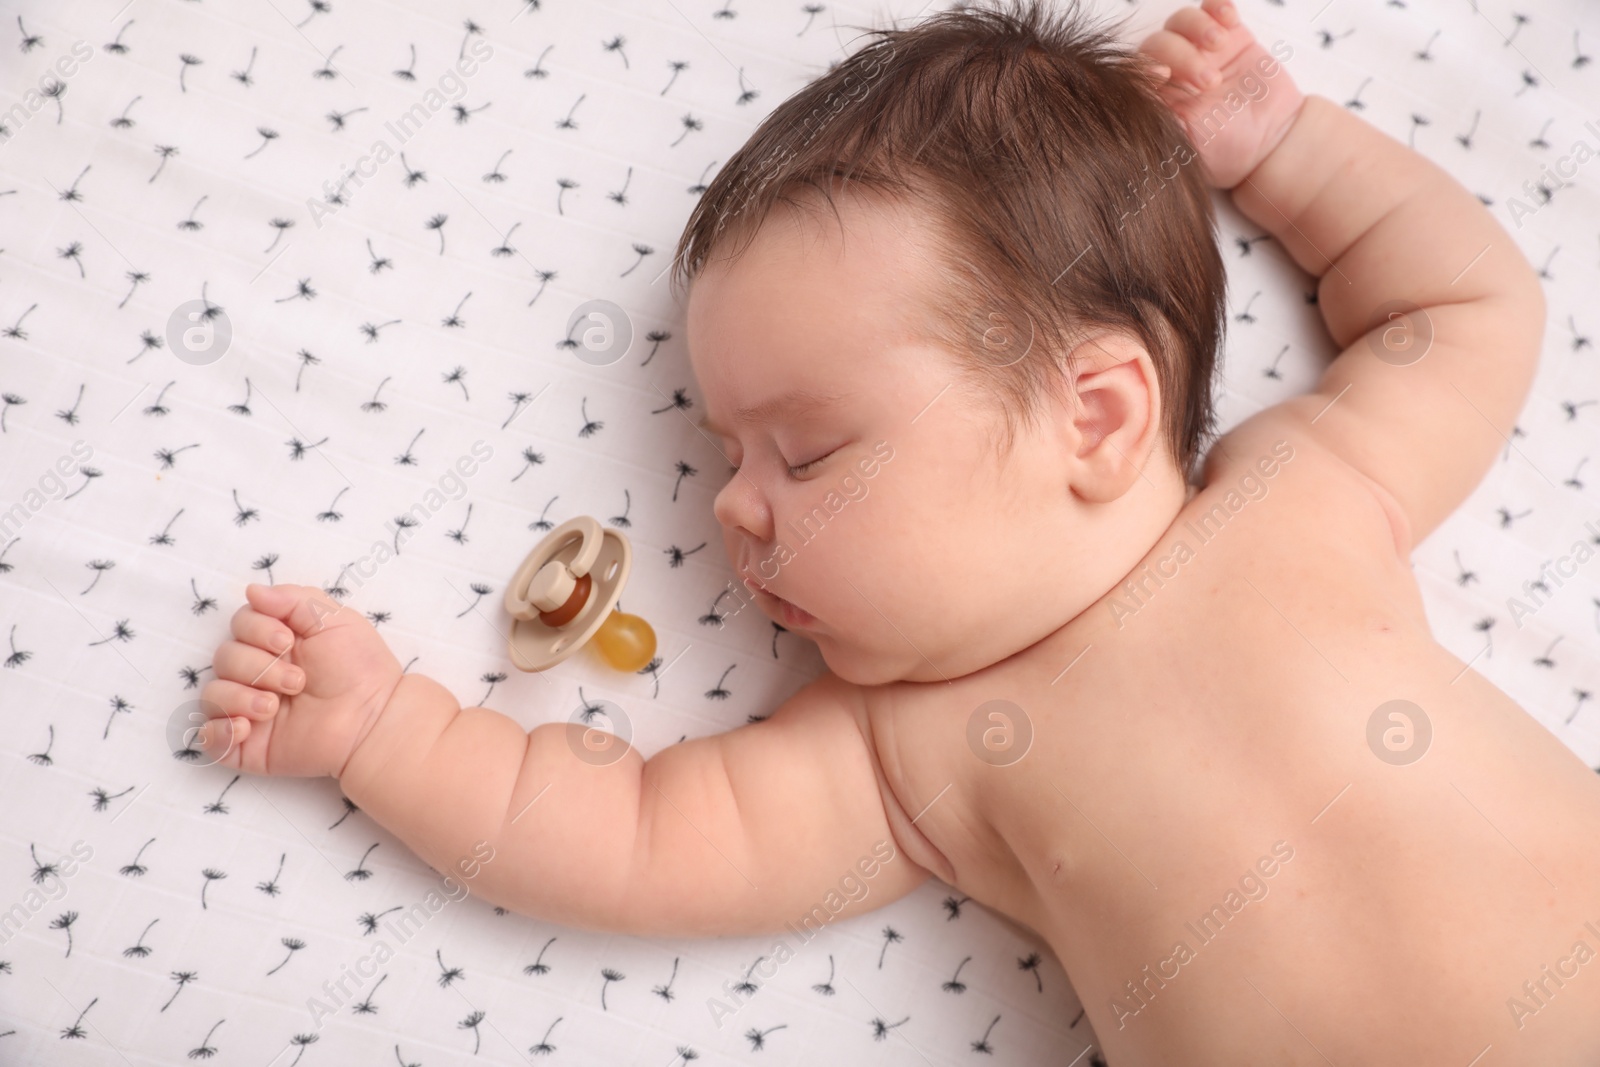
point(186, 152)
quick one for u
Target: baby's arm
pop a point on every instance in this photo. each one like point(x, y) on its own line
point(734, 833)
point(1386, 231)
point(1380, 225)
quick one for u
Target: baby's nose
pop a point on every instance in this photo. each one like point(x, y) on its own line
point(741, 507)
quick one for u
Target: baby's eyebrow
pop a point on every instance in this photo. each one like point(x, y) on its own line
point(795, 400)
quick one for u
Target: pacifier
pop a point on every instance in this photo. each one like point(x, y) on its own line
point(564, 594)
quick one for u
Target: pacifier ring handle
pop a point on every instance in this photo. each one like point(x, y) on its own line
point(542, 583)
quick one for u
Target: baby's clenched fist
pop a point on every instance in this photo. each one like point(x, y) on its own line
point(298, 687)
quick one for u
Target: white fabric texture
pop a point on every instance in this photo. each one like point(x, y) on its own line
point(161, 912)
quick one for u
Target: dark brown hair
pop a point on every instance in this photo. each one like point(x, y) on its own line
point(1060, 183)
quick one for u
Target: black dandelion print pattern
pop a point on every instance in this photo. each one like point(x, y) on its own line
point(386, 313)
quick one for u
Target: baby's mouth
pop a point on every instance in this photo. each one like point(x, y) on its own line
point(792, 614)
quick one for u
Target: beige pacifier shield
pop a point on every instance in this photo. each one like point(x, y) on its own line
point(535, 646)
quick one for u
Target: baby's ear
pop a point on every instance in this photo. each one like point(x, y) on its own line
point(1116, 417)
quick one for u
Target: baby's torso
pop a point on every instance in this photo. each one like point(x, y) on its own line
point(1232, 859)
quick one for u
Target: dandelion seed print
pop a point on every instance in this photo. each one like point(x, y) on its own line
point(165, 536)
point(183, 72)
point(369, 920)
point(293, 944)
point(183, 978)
point(122, 121)
point(495, 175)
point(217, 807)
point(447, 975)
point(328, 72)
point(459, 535)
point(545, 277)
point(148, 342)
point(690, 125)
point(590, 426)
point(366, 1007)
point(406, 459)
point(192, 225)
point(16, 332)
point(758, 1038)
point(7, 401)
point(135, 869)
point(676, 555)
point(881, 1027)
point(102, 800)
point(302, 1042)
point(542, 523)
point(437, 222)
point(42, 759)
point(955, 984)
point(119, 632)
point(826, 988)
point(64, 922)
point(100, 567)
point(677, 66)
point(610, 976)
point(544, 1047)
point(982, 1044)
point(53, 90)
point(455, 321)
point(717, 692)
point(210, 875)
point(890, 936)
point(139, 950)
point(1031, 962)
point(138, 278)
point(568, 122)
point(538, 966)
point(74, 252)
point(665, 991)
point(480, 590)
point(76, 1030)
point(270, 886)
point(361, 874)
point(471, 1022)
point(206, 1050)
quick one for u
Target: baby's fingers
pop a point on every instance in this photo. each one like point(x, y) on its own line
point(1203, 25)
point(239, 662)
point(221, 740)
point(263, 631)
point(236, 698)
point(1182, 58)
point(303, 608)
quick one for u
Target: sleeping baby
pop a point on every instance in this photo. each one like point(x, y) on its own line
point(1169, 700)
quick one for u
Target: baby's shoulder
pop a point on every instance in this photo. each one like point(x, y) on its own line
point(1320, 495)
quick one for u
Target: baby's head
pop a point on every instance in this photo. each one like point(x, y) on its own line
point(954, 310)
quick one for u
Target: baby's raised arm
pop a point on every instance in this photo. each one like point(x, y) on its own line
point(1437, 312)
point(736, 833)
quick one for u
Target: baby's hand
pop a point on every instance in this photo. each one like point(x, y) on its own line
point(299, 686)
point(1233, 97)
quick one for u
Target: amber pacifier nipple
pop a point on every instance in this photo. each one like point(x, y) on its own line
point(564, 594)
point(626, 641)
